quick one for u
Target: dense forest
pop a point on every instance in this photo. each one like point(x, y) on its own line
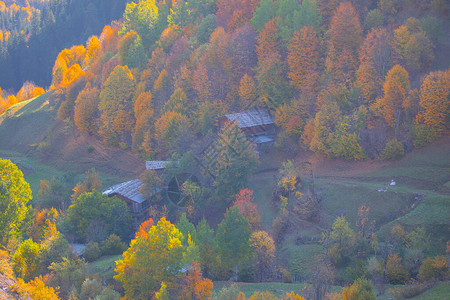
point(347, 80)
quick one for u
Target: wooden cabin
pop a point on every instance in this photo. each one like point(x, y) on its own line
point(130, 193)
point(257, 124)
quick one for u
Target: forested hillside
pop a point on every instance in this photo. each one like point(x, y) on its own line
point(351, 202)
point(33, 32)
point(345, 79)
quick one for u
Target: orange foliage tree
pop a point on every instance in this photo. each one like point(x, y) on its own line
point(395, 91)
point(143, 112)
point(247, 90)
point(194, 286)
point(268, 41)
point(303, 59)
point(86, 110)
point(434, 101)
point(168, 128)
point(245, 203)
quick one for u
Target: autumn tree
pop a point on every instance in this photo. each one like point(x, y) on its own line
point(434, 268)
point(168, 128)
point(344, 38)
point(233, 235)
point(89, 184)
point(362, 288)
point(434, 101)
point(24, 260)
point(93, 50)
point(15, 193)
point(247, 207)
point(376, 50)
point(396, 272)
point(154, 257)
point(86, 110)
point(247, 91)
point(35, 289)
point(395, 91)
point(194, 286)
point(303, 59)
point(345, 30)
point(264, 248)
point(412, 49)
point(116, 105)
point(143, 113)
point(268, 41)
point(142, 17)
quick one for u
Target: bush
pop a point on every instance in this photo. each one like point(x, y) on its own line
point(92, 252)
point(113, 245)
point(90, 149)
point(411, 290)
point(423, 135)
point(396, 273)
point(360, 289)
point(394, 150)
point(434, 269)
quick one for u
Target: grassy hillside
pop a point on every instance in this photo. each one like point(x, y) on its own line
point(45, 147)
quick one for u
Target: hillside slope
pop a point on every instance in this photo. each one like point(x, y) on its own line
point(31, 129)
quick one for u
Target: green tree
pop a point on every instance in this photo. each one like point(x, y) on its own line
point(154, 257)
point(24, 260)
point(235, 163)
point(233, 235)
point(208, 247)
point(67, 274)
point(95, 216)
point(186, 228)
point(142, 17)
point(343, 237)
point(15, 193)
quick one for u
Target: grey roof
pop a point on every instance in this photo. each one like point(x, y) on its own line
point(263, 139)
point(156, 164)
point(251, 118)
point(129, 189)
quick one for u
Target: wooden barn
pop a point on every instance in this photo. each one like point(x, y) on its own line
point(130, 193)
point(257, 124)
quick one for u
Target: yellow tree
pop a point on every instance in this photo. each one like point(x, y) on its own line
point(154, 257)
point(264, 248)
point(247, 90)
point(116, 104)
point(434, 101)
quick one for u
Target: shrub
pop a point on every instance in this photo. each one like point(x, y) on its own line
point(434, 269)
point(92, 252)
point(411, 290)
point(394, 150)
point(362, 288)
point(423, 135)
point(113, 245)
point(396, 273)
point(90, 149)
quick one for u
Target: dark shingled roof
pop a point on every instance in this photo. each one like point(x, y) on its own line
point(129, 189)
point(251, 118)
point(156, 164)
